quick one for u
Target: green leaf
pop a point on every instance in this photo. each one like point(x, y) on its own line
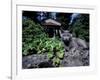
point(60, 54)
point(50, 55)
point(56, 61)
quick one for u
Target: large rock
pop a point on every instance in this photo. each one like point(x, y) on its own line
point(75, 57)
point(36, 61)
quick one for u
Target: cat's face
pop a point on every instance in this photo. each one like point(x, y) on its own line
point(66, 36)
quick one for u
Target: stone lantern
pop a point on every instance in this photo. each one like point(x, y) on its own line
point(52, 26)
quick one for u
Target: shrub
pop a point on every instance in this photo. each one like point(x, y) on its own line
point(36, 41)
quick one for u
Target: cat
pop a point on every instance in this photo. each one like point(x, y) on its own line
point(72, 42)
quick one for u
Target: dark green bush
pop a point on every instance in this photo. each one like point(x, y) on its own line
point(80, 28)
point(29, 32)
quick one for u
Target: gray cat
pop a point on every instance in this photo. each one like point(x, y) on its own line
point(72, 42)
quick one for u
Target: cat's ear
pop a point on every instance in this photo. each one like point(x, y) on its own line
point(62, 31)
point(71, 35)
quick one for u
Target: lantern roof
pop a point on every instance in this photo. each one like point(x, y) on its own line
point(51, 22)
